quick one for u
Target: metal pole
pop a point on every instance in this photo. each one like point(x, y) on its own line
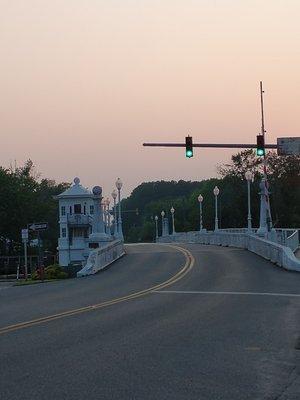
point(25, 259)
point(216, 216)
point(263, 132)
point(120, 218)
point(109, 230)
point(115, 218)
point(39, 249)
point(201, 225)
point(173, 223)
point(249, 207)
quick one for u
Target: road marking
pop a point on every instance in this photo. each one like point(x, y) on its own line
point(189, 263)
point(226, 293)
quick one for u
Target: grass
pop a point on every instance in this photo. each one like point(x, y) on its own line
point(34, 282)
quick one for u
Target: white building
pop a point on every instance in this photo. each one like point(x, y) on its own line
point(81, 223)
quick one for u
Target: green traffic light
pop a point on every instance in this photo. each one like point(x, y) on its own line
point(260, 152)
point(189, 153)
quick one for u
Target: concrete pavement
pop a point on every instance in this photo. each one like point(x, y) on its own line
point(187, 341)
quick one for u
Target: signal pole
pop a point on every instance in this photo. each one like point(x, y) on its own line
point(265, 221)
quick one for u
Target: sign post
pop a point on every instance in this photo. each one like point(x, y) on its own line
point(37, 227)
point(25, 240)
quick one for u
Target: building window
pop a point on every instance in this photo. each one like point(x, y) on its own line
point(78, 232)
point(63, 232)
point(77, 208)
point(91, 209)
point(70, 210)
point(63, 210)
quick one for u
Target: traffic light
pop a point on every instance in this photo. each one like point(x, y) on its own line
point(188, 146)
point(260, 148)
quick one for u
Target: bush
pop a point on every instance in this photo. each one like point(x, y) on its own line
point(54, 271)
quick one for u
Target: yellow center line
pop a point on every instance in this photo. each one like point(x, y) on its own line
point(179, 275)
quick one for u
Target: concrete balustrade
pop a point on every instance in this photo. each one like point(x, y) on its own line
point(280, 255)
point(101, 257)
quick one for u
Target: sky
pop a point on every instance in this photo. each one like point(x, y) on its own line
point(85, 82)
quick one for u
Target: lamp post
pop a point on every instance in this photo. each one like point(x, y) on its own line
point(162, 223)
point(108, 215)
point(173, 222)
point(249, 178)
point(103, 207)
point(119, 185)
point(216, 192)
point(114, 196)
point(156, 226)
point(200, 199)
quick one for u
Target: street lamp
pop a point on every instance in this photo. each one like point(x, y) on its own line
point(108, 215)
point(114, 196)
point(103, 206)
point(162, 223)
point(216, 192)
point(173, 223)
point(249, 178)
point(200, 199)
point(156, 227)
point(119, 185)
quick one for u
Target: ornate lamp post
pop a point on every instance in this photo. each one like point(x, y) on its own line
point(156, 226)
point(114, 196)
point(200, 199)
point(216, 192)
point(173, 223)
point(249, 178)
point(108, 215)
point(119, 185)
point(103, 206)
point(162, 223)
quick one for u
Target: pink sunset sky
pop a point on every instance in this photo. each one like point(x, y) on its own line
point(85, 82)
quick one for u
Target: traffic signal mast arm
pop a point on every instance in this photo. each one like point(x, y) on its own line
point(216, 145)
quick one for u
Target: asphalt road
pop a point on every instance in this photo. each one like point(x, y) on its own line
point(228, 328)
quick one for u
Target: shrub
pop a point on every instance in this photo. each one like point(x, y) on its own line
point(54, 271)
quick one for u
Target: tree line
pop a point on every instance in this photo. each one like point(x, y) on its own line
point(152, 197)
point(25, 198)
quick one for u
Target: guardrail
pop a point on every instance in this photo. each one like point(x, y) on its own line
point(103, 256)
point(281, 255)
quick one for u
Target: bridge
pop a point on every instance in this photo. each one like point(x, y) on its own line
point(196, 315)
point(167, 321)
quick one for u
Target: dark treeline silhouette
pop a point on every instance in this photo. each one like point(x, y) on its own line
point(25, 197)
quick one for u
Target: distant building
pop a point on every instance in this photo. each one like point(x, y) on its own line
point(81, 223)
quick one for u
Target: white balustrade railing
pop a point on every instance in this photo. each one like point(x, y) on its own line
point(102, 257)
point(277, 253)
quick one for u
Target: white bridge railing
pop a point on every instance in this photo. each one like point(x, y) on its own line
point(279, 254)
point(103, 256)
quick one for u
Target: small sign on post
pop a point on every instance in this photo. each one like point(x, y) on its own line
point(38, 226)
point(24, 234)
point(288, 146)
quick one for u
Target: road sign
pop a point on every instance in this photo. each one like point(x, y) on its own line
point(24, 234)
point(38, 226)
point(288, 146)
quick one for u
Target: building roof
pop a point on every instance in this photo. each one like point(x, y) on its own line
point(76, 190)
